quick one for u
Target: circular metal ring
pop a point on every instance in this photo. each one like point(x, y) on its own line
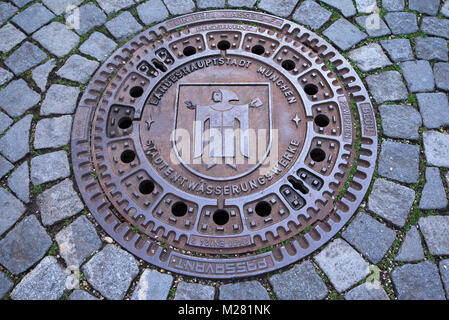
point(224, 144)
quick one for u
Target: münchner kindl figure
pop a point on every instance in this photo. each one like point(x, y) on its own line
point(222, 116)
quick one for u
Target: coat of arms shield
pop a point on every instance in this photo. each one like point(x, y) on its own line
point(222, 131)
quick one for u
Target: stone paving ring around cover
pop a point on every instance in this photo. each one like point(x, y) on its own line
point(224, 149)
point(161, 166)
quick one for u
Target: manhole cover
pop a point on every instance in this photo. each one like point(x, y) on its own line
point(220, 144)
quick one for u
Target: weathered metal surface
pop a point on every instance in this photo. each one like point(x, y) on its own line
point(160, 166)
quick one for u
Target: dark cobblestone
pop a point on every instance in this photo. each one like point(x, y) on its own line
point(7, 10)
point(5, 283)
point(45, 282)
point(436, 148)
point(365, 6)
point(282, 8)
point(205, 4)
point(445, 9)
point(369, 57)
point(33, 17)
point(418, 282)
point(179, 6)
point(435, 230)
point(78, 68)
point(399, 161)
point(241, 3)
point(429, 7)
point(419, 76)
point(431, 49)
point(342, 264)
point(194, 291)
point(90, 16)
point(81, 295)
point(411, 249)
point(59, 202)
point(40, 74)
point(60, 6)
point(19, 182)
point(398, 49)
point(299, 283)
point(52, 132)
point(57, 39)
point(98, 46)
point(373, 29)
point(49, 167)
point(344, 34)
point(312, 14)
point(393, 5)
point(25, 57)
point(367, 291)
point(13, 209)
point(391, 201)
point(78, 241)
point(113, 6)
point(346, 7)
point(435, 27)
point(17, 104)
point(246, 290)
point(153, 285)
point(402, 122)
point(5, 122)
point(14, 145)
point(444, 271)
point(21, 3)
point(11, 36)
point(23, 246)
point(111, 272)
point(5, 76)
point(5, 166)
point(152, 11)
point(123, 26)
point(387, 86)
point(402, 22)
point(441, 73)
point(369, 237)
point(60, 99)
point(434, 109)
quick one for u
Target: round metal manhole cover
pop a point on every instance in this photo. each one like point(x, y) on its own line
point(224, 144)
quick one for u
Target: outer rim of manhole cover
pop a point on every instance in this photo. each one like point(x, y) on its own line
point(121, 212)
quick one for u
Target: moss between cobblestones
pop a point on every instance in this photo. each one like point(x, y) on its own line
point(54, 249)
point(171, 293)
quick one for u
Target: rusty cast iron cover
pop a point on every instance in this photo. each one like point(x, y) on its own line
point(224, 144)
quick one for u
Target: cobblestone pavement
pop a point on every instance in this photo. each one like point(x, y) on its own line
point(395, 247)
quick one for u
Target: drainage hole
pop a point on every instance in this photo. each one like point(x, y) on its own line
point(258, 49)
point(298, 185)
point(125, 123)
point(136, 92)
point(188, 51)
point(288, 65)
point(322, 120)
point(159, 65)
point(223, 45)
point(318, 155)
point(146, 187)
point(263, 209)
point(179, 209)
point(221, 217)
point(128, 156)
point(311, 89)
